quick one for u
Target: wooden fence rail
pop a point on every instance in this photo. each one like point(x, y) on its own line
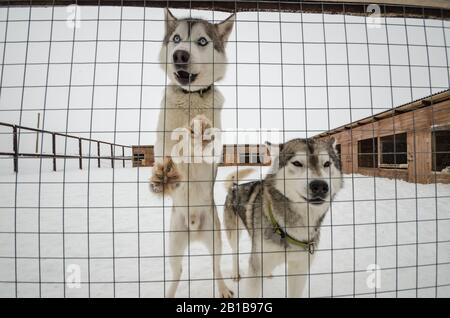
point(16, 154)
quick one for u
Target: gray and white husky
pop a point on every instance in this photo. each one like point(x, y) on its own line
point(193, 57)
point(283, 213)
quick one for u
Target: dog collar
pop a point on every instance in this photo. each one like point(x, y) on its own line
point(307, 246)
point(200, 91)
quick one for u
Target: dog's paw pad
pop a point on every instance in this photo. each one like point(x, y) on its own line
point(156, 187)
point(165, 177)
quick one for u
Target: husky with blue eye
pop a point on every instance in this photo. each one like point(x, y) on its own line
point(283, 213)
point(193, 57)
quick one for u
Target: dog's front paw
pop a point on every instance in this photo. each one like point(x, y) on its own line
point(165, 177)
point(156, 186)
point(226, 293)
point(199, 124)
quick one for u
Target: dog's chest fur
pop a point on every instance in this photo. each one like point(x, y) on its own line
point(179, 108)
point(177, 111)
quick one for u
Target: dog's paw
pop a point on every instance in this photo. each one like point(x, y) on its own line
point(226, 293)
point(199, 124)
point(165, 177)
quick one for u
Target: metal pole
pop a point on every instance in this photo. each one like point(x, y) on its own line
point(16, 150)
point(112, 156)
point(123, 156)
point(80, 150)
point(54, 151)
point(37, 133)
point(98, 154)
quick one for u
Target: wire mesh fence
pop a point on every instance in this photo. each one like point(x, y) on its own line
point(373, 77)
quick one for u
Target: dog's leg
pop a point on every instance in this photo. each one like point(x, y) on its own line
point(231, 222)
point(178, 244)
point(178, 240)
point(232, 238)
point(270, 261)
point(252, 284)
point(215, 247)
point(298, 274)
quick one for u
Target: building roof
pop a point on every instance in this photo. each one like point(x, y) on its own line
point(405, 108)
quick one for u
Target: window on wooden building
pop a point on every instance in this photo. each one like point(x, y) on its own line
point(244, 155)
point(368, 153)
point(441, 150)
point(249, 158)
point(394, 151)
point(139, 157)
point(143, 156)
point(249, 154)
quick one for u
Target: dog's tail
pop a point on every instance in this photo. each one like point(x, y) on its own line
point(234, 177)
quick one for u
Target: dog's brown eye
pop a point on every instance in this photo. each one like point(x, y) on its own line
point(327, 164)
point(297, 163)
point(202, 41)
point(176, 38)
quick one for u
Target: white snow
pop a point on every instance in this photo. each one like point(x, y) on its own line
point(403, 220)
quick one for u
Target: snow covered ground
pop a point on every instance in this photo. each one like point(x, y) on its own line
point(403, 220)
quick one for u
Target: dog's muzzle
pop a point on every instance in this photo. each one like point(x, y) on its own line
point(181, 61)
point(319, 191)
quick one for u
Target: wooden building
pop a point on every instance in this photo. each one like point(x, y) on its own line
point(410, 142)
point(143, 156)
point(246, 155)
point(233, 155)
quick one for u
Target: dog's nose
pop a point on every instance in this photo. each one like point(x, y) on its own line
point(318, 187)
point(181, 57)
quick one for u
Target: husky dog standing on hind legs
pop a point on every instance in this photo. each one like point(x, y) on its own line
point(193, 56)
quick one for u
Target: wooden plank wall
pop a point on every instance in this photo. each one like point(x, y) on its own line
point(418, 126)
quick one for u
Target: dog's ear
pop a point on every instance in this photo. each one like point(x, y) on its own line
point(332, 142)
point(170, 20)
point(275, 154)
point(225, 27)
point(274, 149)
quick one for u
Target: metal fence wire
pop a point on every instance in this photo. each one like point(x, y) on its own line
point(83, 84)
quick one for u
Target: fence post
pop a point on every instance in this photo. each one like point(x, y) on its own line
point(98, 154)
point(54, 150)
point(16, 150)
point(80, 151)
point(123, 156)
point(112, 156)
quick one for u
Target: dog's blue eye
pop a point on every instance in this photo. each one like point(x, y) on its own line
point(176, 39)
point(297, 163)
point(327, 164)
point(202, 41)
